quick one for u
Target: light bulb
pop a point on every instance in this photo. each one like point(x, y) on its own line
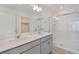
point(35, 7)
point(40, 8)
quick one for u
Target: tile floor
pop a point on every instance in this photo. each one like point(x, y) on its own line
point(57, 50)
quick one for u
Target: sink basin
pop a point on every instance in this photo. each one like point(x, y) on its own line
point(29, 35)
point(4, 40)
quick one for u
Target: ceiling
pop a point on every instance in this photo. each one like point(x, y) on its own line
point(54, 9)
point(49, 8)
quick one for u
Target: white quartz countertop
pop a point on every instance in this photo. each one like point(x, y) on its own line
point(12, 42)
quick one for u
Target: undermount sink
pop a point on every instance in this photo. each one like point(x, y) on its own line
point(2, 42)
point(7, 40)
point(29, 35)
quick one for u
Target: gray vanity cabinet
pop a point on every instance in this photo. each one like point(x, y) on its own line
point(34, 50)
point(21, 49)
point(40, 46)
point(46, 47)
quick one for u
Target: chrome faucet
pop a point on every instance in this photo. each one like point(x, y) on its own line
point(18, 36)
point(37, 29)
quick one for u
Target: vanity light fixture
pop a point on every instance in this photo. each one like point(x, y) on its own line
point(37, 8)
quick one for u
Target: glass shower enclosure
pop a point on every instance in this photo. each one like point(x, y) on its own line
point(67, 31)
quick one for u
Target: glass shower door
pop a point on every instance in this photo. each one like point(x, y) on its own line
point(64, 34)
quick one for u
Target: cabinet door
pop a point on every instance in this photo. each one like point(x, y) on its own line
point(45, 47)
point(35, 50)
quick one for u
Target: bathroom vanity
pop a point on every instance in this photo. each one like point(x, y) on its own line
point(27, 43)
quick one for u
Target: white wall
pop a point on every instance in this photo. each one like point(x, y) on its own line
point(32, 16)
point(7, 14)
point(7, 24)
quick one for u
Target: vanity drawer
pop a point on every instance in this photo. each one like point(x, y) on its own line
point(34, 50)
point(22, 48)
point(46, 38)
